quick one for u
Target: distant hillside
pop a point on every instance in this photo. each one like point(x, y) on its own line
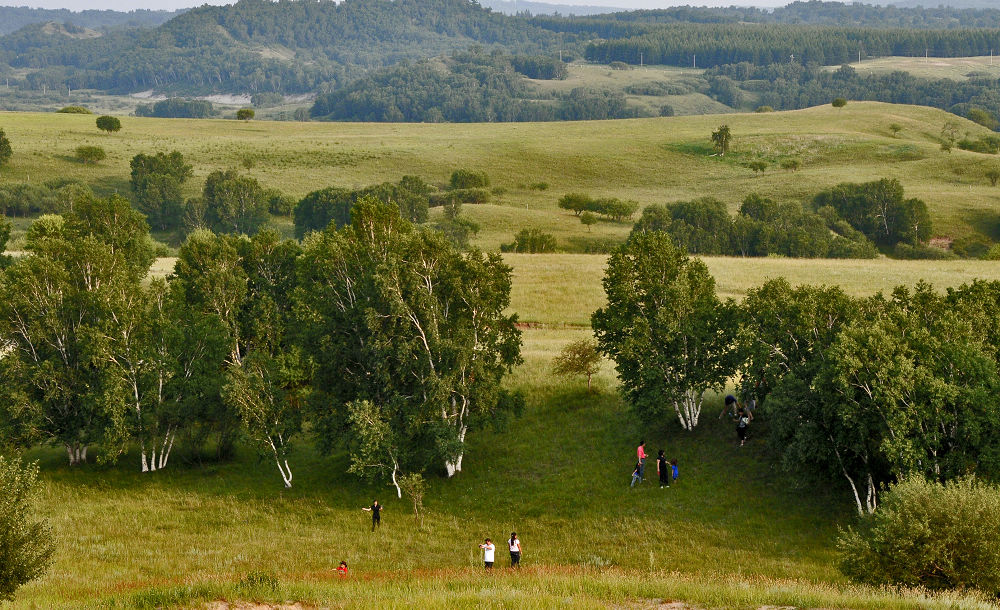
point(13, 18)
point(513, 7)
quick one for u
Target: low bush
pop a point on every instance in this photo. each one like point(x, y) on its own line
point(468, 179)
point(971, 246)
point(73, 110)
point(907, 251)
point(90, 154)
point(930, 535)
point(989, 145)
point(533, 241)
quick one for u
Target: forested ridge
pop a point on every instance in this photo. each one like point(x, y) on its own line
point(13, 18)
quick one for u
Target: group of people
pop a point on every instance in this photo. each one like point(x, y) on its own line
point(489, 551)
point(667, 471)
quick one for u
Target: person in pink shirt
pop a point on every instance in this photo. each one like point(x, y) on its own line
point(640, 453)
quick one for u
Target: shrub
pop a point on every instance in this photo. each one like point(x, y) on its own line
point(993, 175)
point(109, 124)
point(906, 251)
point(983, 117)
point(244, 114)
point(25, 544)
point(470, 195)
point(73, 110)
point(619, 65)
point(971, 246)
point(6, 152)
point(533, 241)
point(758, 167)
point(588, 219)
point(578, 203)
point(666, 110)
point(988, 145)
point(993, 254)
point(791, 164)
point(928, 534)
point(839, 102)
point(468, 179)
point(90, 154)
point(539, 186)
point(764, 109)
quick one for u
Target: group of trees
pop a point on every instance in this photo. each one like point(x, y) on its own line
point(379, 334)
point(470, 86)
point(865, 390)
point(334, 204)
point(177, 108)
point(762, 227)
point(614, 209)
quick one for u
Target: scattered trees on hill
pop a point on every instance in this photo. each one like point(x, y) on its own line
point(879, 210)
point(156, 182)
point(26, 542)
point(614, 209)
point(6, 152)
point(109, 124)
point(664, 328)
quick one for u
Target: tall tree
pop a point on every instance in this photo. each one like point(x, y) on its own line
point(664, 327)
point(25, 542)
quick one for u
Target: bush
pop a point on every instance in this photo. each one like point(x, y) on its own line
point(6, 152)
point(907, 251)
point(791, 164)
point(971, 246)
point(993, 254)
point(983, 117)
point(988, 145)
point(533, 241)
point(109, 124)
point(73, 110)
point(539, 186)
point(619, 65)
point(666, 110)
point(470, 195)
point(839, 102)
point(25, 544)
point(90, 154)
point(244, 114)
point(930, 535)
point(468, 179)
point(764, 109)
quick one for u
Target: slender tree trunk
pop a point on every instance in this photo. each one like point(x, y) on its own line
point(395, 480)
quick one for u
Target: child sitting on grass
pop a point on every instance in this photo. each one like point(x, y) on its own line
point(342, 569)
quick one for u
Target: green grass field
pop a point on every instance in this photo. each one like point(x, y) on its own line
point(731, 534)
point(648, 160)
point(955, 68)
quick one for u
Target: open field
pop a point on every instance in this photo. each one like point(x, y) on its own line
point(955, 68)
point(648, 160)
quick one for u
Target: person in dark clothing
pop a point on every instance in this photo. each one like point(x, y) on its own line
point(376, 510)
point(662, 470)
point(514, 544)
point(742, 422)
point(729, 406)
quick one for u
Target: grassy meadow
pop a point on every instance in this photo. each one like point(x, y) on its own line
point(732, 534)
point(647, 160)
point(955, 68)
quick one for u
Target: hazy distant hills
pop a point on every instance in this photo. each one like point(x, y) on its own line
point(13, 18)
point(512, 7)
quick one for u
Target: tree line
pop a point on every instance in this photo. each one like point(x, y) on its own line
point(866, 391)
point(846, 221)
point(378, 335)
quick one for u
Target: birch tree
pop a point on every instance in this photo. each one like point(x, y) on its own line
point(394, 315)
point(664, 327)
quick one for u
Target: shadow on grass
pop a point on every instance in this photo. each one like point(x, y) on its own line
point(986, 222)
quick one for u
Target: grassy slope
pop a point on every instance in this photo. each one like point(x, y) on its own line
point(649, 160)
point(956, 68)
point(732, 534)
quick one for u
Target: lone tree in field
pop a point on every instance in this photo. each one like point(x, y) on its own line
point(993, 175)
point(839, 102)
point(791, 165)
point(6, 152)
point(664, 327)
point(895, 128)
point(588, 219)
point(721, 139)
point(109, 124)
point(758, 167)
point(25, 544)
point(91, 155)
point(244, 114)
point(578, 358)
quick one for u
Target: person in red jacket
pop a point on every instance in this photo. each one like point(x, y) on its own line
point(342, 569)
point(640, 453)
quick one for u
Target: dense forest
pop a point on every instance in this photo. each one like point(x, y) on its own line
point(13, 18)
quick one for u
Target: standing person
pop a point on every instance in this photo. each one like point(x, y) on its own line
point(662, 470)
point(742, 421)
point(673, 467)
point(488, 550)
point(640, 452)
point(514, 544)
point(376, 510)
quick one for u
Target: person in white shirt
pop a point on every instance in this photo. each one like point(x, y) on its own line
point(488, 551)
point(514, 544)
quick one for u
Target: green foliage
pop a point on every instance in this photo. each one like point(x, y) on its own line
point(578, 358)
point(279, 203)
point(895, 128)
point(664, 328)
point(468, 179)
point(90, 154)
point(25, 543)
point(414, 487)
point(879, 210)
point(588, 219)
point(156, 182)
point(993, 175)
point(993, 254)
point(613, 209)
point(930, 535)
point(177, 108)
point(983, 117)
point(318, 209)
point(839, 102)
point(409, 334)
point(74, 110)
point(619, 65)
point(244, 114)
point(721, 139)
point(533, 241)
point(702, 226)
point(666, 110)
point(109, 124)
point(987, 145)
point(6, 152)
point(266, 99)
point(764, 109)
point(758, 166)
point(971, 246)
point(234, 204)
point(792, 165)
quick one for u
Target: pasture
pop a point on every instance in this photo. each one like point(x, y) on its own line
point(955, 68)
point(646, 160)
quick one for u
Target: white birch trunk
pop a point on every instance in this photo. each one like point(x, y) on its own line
point(688, 409)
point(395, 481)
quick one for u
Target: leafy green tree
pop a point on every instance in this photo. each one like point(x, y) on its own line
point(702, 226)
point(928, 534)
point(6, 152)
point(414, 487)
point(791, 164)
point(109, 124)
point(25, 543)
point(664, 327)
point(895, 128)
point(156, 182)
point(993, 175)
point(588, 219)
point(90, 154)
point(401, 320)
point(234, 204)
point(983, 117)
point(578, 203)
point(578, 358)
point(244, 114)
point(534, 241)
point(758, 166)
point(839, 102)
point(721, 139)
point(467, 179)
